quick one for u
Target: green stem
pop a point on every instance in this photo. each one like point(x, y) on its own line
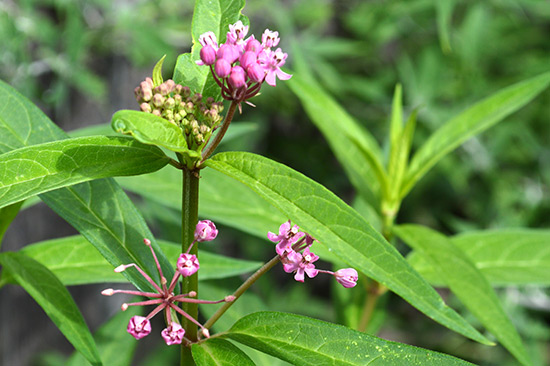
point(218, 138)
point(189, 219)
point(245, 286)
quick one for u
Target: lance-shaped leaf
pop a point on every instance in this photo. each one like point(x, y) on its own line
point(74, 261)
point(355, 148)
point(37, 169)
point(7, 214)
point(467, 283)
point(472, 121)
point(304, 341)
point(341, 229)
point(99, 209)
point(208, 16)
point(152, 130)
point(54, 299)
point(507, 257)
point(219, 352)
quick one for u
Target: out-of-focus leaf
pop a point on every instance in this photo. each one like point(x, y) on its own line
point(467, 283)
point(219, 352)
point(54, 299)
point(304, 341)
point(37, 169)
point(340, 229)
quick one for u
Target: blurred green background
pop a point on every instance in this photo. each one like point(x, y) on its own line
point(80, 60)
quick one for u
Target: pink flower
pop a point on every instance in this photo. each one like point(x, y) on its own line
point(187, 264)
point(287, 237)
point(209, 39)
point(271, 61)
point(205, 231)
point(248, 58)
point(228, 52)
point(270, 39)
point(255, 72)
point(253, 45)
point(237, 32)
point(301, 263)
point(139, 327)
point(173, 334)
point(347, 277)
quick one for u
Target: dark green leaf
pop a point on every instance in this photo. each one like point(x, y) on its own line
point(7, 214)
point(54, 299)
point(340, 229)
point(304, 341)
point(467, 283)
point(219, 352)
point(37, 169)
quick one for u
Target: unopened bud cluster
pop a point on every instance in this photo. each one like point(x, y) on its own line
point(196, 117)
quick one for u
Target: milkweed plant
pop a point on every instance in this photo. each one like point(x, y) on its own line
point(179, 126)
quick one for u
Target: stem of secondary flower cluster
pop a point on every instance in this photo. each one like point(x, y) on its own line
point(218, 138)
point(189, 219)
point(245, 286)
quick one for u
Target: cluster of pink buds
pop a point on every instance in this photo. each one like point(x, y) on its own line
point(293, 249)
point(240, 65)
point(164, 297)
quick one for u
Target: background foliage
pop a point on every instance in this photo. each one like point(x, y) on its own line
point(73, 57)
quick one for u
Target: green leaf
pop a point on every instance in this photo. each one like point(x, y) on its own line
point(116, 347)
point(157, 72)
point(74, 261)
point(37, 169)
point(219, 352)
point(304, 341)
point(222, 199)
point(472, 121)
point(355, 148)
point(208, 16)
point(505, 257)
point(54, 299)
point(467, 283)
point(444, 12)
point(7, 214)
point(152, 130)
point(340, 229)
point(99, 209)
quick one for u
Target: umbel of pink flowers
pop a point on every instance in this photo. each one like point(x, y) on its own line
point(293, 249)
point(164, 297)
point(240, 65)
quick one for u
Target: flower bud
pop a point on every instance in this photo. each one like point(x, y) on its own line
point(205, 230)
point(145, 107)
point(158, 100)
point(139, 327)
point(187, 264)
point(256, 73)
point(173, 334)
point(222, 68)
point(237, 77)
point(253, 45)
point(346, 277)
point(208, 55)
point(228, 52)
point(248, 58)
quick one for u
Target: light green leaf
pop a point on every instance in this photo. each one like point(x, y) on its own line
point(157, 72)
point(37, 169)
point(104, 129)
point(472, 121)
point(54, 299)
point(340, 229)
point(304, 341)
point(99, 209)
point(7, 214)
point(505, 257)
point(219, 352)
point(467, 283)
point(152, 130)
point(355, 148)
point(208, 16)
point(74, 261)
point(116, 347)
point(444, 12)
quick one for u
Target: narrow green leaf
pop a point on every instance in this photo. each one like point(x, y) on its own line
point(74, 261)
point(152, 130)
point(467, 283)
point(7, 214)
point(37, 169)
point(55, 300)
point(219, 352)
point(116, 347)
point(304, 341)
point(340, 229)
point(505, 257)
point(99, 209)
point(208, 16)
point(355, 148)
point(396, 124)
point(444, 12)
point(157, 72)
point(472, 121)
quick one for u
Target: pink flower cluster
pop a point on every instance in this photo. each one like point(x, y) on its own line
point(240, 65)
point(293, 249)
point(164, 297)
